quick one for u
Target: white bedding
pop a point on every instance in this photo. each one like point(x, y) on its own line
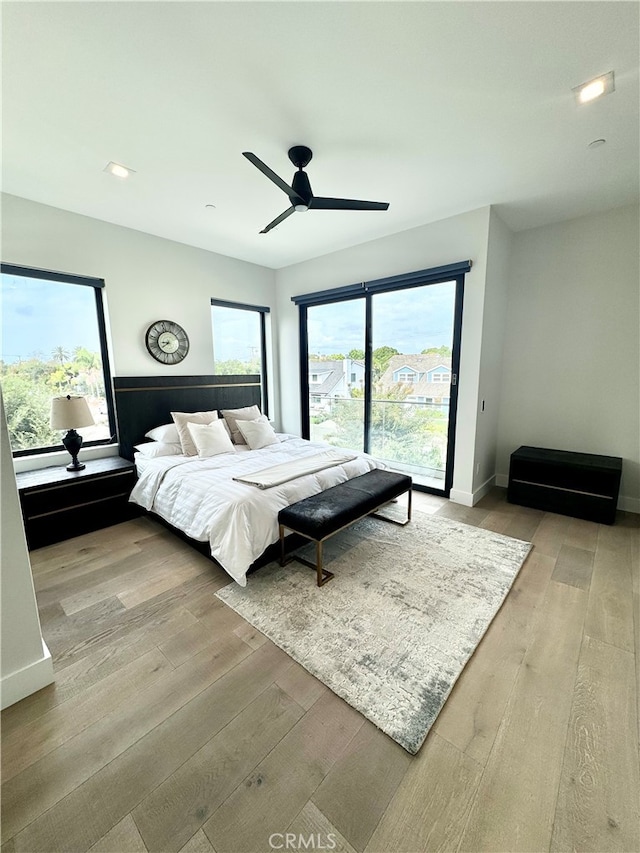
point(200, 497)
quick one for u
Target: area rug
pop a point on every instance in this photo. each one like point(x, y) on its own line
point(393, 630)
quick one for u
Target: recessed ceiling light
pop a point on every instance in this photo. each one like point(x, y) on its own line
point(118, 170)
point(592, 89)
point(596, 143)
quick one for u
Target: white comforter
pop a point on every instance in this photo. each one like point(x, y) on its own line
point(200, 497)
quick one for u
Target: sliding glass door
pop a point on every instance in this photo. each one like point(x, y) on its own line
point(380, 373)
point(335, 373)
point(412, 345)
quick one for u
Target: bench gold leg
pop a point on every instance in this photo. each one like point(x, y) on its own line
point(322, 574)
point(375, 514)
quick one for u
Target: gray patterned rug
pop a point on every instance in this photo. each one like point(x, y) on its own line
point(393, 630)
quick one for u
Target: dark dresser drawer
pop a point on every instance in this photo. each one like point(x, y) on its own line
point(583, 485)
point(58, 504)
point(47, 499)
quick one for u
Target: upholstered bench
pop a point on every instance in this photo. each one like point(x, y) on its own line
point(320, 516)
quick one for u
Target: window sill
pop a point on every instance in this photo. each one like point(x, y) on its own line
point(61, 457)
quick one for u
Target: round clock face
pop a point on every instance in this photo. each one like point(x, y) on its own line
point(167, 342)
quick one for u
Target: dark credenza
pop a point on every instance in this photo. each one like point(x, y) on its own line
point(582, 485)
point(58, 504)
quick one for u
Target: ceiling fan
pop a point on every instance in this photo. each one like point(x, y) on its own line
point(300, 193)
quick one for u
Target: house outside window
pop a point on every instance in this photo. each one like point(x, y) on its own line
point(441, 377)
point(53, 344)
point(406, 377)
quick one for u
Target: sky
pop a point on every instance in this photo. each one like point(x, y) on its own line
point(236, 334)
point(36, 318)
point(408, 320)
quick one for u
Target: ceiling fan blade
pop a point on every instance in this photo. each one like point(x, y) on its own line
point(278, 219)
point(320, 203)
point(257, 162)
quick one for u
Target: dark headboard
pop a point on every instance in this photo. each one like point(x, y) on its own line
point(144, 402)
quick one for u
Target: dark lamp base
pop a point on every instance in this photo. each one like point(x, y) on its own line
point(73, 442)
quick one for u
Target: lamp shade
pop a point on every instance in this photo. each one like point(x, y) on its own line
point(70, 412)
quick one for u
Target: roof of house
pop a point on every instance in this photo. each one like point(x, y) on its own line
point(335, 371)
point(421, 364)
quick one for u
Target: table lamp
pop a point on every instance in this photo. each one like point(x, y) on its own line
point(68, 413)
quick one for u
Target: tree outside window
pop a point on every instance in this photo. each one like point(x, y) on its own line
point(53, 343)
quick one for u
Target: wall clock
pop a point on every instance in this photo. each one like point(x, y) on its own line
point(167, 342)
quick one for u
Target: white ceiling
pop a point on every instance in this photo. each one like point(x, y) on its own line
point(436, 107)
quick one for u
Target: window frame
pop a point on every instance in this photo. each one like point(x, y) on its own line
point(98, 285)
point(262, 310)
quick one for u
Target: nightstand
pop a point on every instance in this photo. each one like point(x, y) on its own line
point(58, 504)
point(583, 485)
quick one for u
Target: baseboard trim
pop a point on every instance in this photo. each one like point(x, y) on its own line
point(23, 682)
point(627, 504)
point(472, 498)
point(484, 489)
point(459, 497)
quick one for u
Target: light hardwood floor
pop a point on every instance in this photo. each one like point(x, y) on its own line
point(174, 725)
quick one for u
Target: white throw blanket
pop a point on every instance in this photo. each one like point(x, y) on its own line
point(278, 474)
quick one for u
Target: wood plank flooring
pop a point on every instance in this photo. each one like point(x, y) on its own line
point(174, 725)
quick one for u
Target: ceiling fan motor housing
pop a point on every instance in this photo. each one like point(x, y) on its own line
point(301, 186)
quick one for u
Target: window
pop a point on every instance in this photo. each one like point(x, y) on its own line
point(314, 377)
point(407, 377)
point(353, 377)
point(441, 377)
point(239, 342)
point(53, 343)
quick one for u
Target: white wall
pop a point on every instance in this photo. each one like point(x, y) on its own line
point(25, 662)
point(456, 239)
point(571, 360)
point(490, 373)
point(146, 278)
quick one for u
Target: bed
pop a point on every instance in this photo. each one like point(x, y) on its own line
point(202, 498)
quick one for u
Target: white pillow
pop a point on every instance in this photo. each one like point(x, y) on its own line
point(182, 419)
point(232, 416)
point(167, 433)
point(152, 449)
point(258, 433)
point(211, 439)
